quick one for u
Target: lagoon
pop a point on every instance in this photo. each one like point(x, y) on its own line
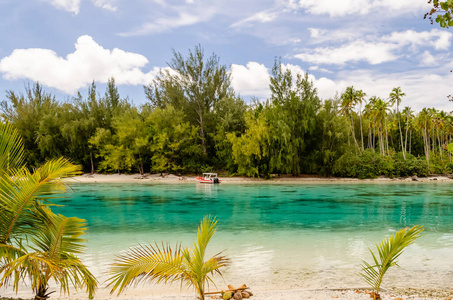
point(278, 236)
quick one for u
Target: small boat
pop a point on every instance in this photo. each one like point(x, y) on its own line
point(208, 178)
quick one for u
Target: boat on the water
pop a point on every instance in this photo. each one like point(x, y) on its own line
point(208, 178)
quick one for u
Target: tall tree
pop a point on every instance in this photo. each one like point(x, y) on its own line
point(193, 85)
point(292, 115)
point(348, 101)
point(395, 98)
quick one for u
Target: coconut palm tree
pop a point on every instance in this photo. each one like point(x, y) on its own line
point(388, 250)
point(395, 98)
point(360, 98)
point(409, 116)
point(36, 244)
point(380, 110)
point(348, 100)
point(164, 264)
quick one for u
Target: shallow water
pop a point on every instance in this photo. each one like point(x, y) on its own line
point(278, 236)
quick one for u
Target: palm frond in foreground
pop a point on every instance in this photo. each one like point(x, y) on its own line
point(164, 264)
point(389, 249)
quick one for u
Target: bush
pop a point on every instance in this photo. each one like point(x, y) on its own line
point(370, 164)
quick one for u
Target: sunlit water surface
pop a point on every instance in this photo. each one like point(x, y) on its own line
point(278, 236)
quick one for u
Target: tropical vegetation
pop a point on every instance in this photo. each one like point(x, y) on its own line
point(388, 251)
point(164, 264)
point(193, 121)
point(37, 245)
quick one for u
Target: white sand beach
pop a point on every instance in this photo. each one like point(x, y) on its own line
point(170, 178)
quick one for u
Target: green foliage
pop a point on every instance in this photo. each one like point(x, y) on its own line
point(371, 165)
point(388, 251)
point(250, 150)
point(174, 145)
point(443, 10)
point(292, 118)
point(164, 264)
point(36, 244)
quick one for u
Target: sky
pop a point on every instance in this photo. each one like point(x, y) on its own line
point(373, 45)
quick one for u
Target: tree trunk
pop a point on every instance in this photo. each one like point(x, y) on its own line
point(401, 134)
point(92, 163)
point(361, 128)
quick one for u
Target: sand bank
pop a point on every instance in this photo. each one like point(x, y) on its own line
point(303, 294)
point(170, 178)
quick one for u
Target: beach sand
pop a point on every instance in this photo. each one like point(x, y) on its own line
point(170, 178)
point(301, 294)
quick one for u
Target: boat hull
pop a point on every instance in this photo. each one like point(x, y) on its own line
point(208, 181)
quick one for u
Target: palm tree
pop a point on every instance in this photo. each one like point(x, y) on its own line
point(388, 250)
point(424, 123)
point(360, 98)
point(34, 242)
point(409, 116)
point(395, 97)
point(164, 264)
point(348, 100)
point(380, 110)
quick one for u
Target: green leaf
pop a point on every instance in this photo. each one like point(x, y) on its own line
point(450, 147)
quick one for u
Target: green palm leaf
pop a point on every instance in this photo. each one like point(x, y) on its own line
point(27, 224)
point(53, 258)
point(388, 251)
point(163, 264)
point(11, 149)
point(20, 191)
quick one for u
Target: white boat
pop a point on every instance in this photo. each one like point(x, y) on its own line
point(208, 178)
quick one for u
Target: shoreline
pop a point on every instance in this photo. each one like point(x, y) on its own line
point(170, 178)
point(290, 294)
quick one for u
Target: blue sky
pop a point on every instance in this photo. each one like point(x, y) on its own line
point(374, 45)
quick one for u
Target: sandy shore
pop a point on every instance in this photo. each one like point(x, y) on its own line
point(170, 178)
point(318, 294)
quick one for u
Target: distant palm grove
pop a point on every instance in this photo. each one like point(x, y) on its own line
point(194, 121)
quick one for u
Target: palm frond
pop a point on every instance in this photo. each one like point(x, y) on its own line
point(60, 235)
point(11, 149)
point(388, 251)
point(146, 262)
point(163, 264)
point(205, 232)
point(19, 192)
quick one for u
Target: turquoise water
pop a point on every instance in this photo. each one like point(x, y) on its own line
point(277, 235)
point(179, 207)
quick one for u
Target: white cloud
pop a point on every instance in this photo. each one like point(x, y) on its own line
point(88, 62)
point(250, 80)
point(332, 7)
point(336, 8)
point(68, 5)
point(427, 59)
point(167, 24)
point(105, 4)
point(260, 17)
point(74, 5)
point(253, 80)
point(439, 39)
point(374, 50)
point(373, 53)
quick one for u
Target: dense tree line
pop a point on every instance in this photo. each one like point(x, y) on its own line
point(194, 121)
